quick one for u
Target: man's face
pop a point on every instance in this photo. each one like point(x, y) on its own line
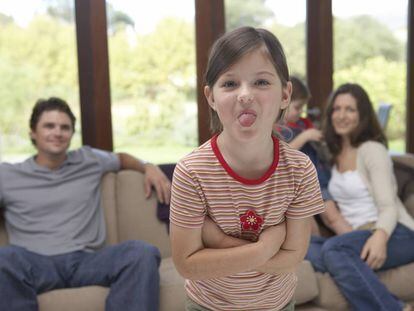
point(53, 133)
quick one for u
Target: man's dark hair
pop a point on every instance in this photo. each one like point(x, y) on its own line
point(53, 103)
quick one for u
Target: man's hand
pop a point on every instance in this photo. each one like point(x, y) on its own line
point(374, 252)
point(154, 177)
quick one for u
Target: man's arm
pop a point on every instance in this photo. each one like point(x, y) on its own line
point(154, 177)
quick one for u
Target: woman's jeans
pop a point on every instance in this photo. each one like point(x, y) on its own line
point(340, 257)
point(130, 269)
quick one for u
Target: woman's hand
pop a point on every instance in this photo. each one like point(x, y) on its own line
point(374, 252)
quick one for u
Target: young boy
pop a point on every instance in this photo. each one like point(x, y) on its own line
point(300, 133)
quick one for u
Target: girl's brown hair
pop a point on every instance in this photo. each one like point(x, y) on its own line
point(232, 46)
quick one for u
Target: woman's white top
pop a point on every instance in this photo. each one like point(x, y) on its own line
point(352, 197)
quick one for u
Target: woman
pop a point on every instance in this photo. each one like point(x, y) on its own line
point(375, 232)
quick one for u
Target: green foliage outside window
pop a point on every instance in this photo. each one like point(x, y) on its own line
point(153, 76)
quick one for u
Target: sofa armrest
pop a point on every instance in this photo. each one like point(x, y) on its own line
point(137, 219)
point(108, 204)
point(404, 172)
point(307, 287)
point(3, 232)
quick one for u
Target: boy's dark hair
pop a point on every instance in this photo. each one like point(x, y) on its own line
point(53, 103)
point(231, 47)
point(368, 127)
point(299, 89)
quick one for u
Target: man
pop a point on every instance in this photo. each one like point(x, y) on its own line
point(56, 227)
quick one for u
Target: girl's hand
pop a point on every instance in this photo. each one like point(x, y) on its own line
point(273, 237)
point(374, 252)
point(212, 235)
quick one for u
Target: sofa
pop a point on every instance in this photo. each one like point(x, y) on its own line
point(130, 216)
point(400, 281)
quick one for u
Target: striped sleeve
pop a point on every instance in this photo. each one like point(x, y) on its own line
point(308, 199)
point(187, 207)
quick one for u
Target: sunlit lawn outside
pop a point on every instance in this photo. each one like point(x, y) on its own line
point(172, 153)
point(157, 154)
point(397, 146)
point(162, 153)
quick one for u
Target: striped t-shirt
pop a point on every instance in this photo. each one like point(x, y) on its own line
point(204, 184)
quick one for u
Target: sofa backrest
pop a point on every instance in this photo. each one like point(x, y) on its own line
point(137, 215)
point(128, 214)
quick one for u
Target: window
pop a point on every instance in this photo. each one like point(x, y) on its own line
point(369, 49)
point(153, 78)
point(37, 60)
point(286, 19)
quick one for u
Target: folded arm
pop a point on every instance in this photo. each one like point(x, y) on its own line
point(293, 249)
point(290, 238)
point(196, 261)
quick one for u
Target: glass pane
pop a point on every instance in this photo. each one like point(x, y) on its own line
point(286, 19)
point(153, 78)
point(369, 49)
point(38, 59)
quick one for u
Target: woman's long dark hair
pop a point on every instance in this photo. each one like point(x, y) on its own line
point(368, 127)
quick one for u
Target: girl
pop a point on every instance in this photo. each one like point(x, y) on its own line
point(241, 203)
point(380, 231)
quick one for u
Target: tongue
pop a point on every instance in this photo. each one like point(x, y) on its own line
point(247, 119)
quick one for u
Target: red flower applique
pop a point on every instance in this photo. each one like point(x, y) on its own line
point(251, 221)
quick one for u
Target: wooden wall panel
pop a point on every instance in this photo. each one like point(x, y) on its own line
point(94, 86)
point(319, 51)
point(209, 21)
point(410, 79)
